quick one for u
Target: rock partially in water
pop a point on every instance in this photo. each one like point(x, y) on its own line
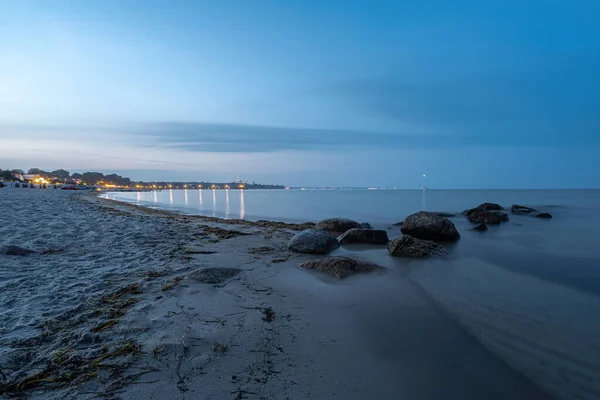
point(363, 236)
point(488, 217)
point(484, 207)
point(337, 225)
point(214, 275)
point(429, 226)
point(543, 215)
point(313, 241)
point(10, 250)
point(481, 228)
point(366, 225)
point(408, 246)
point(341, 267)
point(516, 209)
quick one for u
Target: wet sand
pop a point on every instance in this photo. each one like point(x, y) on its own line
point(372, 336)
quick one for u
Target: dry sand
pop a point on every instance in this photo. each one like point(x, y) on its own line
point(115, 309)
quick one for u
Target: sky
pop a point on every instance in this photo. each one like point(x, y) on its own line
point(474, 94)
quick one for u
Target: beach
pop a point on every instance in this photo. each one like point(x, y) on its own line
point(123, 301)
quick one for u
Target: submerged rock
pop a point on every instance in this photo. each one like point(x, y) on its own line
point(429, 226)
point(341, 267)
point(337, 225)
point(364, 236)
point(516, 209)
point(481, 228)
point(543, 215)
point(10, 250)
point(408, 246)
point(487, 217)
point(214, 275)
point(313, 241)
point(484, 207)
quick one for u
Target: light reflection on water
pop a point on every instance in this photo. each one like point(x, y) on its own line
point(214, 203)
point(227, 203)
point(242, 205)
point(185, 192)
point(200, 198)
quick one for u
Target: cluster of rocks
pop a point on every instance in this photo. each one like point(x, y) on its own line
point(422, 233)
point(493, 214)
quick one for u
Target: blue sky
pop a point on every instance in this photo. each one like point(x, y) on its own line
point(498, 94)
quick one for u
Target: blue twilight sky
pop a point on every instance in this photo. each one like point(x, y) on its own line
point(476, 94)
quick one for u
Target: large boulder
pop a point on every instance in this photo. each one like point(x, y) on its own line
point(366, 225)
point(10, 250)
point(408, 246)
point(429, 226)
point(487, 217)
point(516, 209)
point(341, 267)
point(313, 241)
point(364, 236)
point(337, 226)
point(484, 207)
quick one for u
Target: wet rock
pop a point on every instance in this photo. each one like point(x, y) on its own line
point(11, 250)
point(214, 275)
point(363, 236)
point(484, 207)
point(313, 241)
point(408, 246)
point(337, 225)
point(481, 228)
point(488, 217)
point(366, 225)
point(543, 215)
point(341, 267)
point(429, 226)
point(516, 209)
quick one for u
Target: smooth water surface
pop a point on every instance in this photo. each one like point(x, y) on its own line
point(527, 290)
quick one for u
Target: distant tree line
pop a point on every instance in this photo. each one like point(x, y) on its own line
point(89, 178)
point(98, 178)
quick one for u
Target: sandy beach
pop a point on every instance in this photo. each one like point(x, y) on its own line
point(121, 301)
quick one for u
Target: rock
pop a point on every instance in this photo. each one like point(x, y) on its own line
point(10, 250)
point(341, 267)
point(543, 215)
point(481, 228)
point(487, 217)
point(484, 207)
point(408, 246)
point(214, 275)
point(398, 223)
point(337, 225)
point(429, 226)
point(364, 236)
point(366, 225)
point(516, 209)
point(313, 241)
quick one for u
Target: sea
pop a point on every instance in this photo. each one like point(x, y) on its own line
point(528, 290)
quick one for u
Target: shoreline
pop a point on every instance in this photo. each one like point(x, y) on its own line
point(174, 336)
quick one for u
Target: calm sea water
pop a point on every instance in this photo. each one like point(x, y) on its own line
point(528, 290)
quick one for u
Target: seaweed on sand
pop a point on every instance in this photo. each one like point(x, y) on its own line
point(66, 369)
point(170, 284)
